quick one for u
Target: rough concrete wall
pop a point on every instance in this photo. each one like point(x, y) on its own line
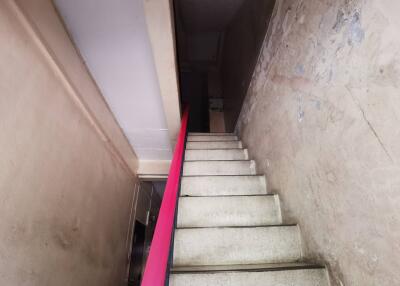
point(242, 43)
point(65, 197)
point(321, 118)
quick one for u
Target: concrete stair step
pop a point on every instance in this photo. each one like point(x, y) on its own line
point(214, 145)
point(216, 154)
point(236, 245)
point(201, 168)
point(223, 185)
point(244, 267)
point(210, 134)
point(286, 277)
point(228, 211)
point(229, 230)
point(201, 138)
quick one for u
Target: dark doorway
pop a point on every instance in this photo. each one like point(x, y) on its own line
point(218, 43)
point(194, 92)
point(147, 209)
point(137, 258)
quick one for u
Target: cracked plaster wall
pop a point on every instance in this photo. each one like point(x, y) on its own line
point(321, 118)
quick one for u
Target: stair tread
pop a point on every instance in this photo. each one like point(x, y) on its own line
point(228, 211)
point(235, 144)
point(223, 185)
point(298, 277)
point(200, 138)
point(210, 133)
point(220, 167)
point(216, 154)
point(236, 245)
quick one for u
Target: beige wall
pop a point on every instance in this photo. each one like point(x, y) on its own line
point(322, 120)
point(160, 26)
point(66, 189)
point(159, 19)
point(75, 76)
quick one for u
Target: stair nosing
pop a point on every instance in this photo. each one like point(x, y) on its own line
point(228, 196)
point(219, 160)
point(217, 141)
point(189, 139)
point(250, 175)
point(212, 160)
point(250, 268)
point(222, 149)
point(211, 134)
point(238, 148)
point(242, 226)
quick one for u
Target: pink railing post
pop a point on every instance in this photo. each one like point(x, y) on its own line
point(157, 261)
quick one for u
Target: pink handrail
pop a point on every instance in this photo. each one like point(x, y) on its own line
point(157, 261)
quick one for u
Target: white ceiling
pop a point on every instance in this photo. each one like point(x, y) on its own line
point(113, 40)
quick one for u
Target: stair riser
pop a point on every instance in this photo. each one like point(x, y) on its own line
point(201, 168)
point(229, 246)
point(228, 154)
point(300, 277)
point(202, 138)
point(214, 145)
point(210, 134)
point(229, 211)
point(223, 186)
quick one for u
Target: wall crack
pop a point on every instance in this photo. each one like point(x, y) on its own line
point(371, 127)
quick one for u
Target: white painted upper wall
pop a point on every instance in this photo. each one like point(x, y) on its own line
point(160, 24)
point(113, 39)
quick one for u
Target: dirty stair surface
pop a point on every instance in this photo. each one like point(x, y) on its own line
point(229, 228)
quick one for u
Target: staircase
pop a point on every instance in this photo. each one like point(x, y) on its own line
point(229, 229)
